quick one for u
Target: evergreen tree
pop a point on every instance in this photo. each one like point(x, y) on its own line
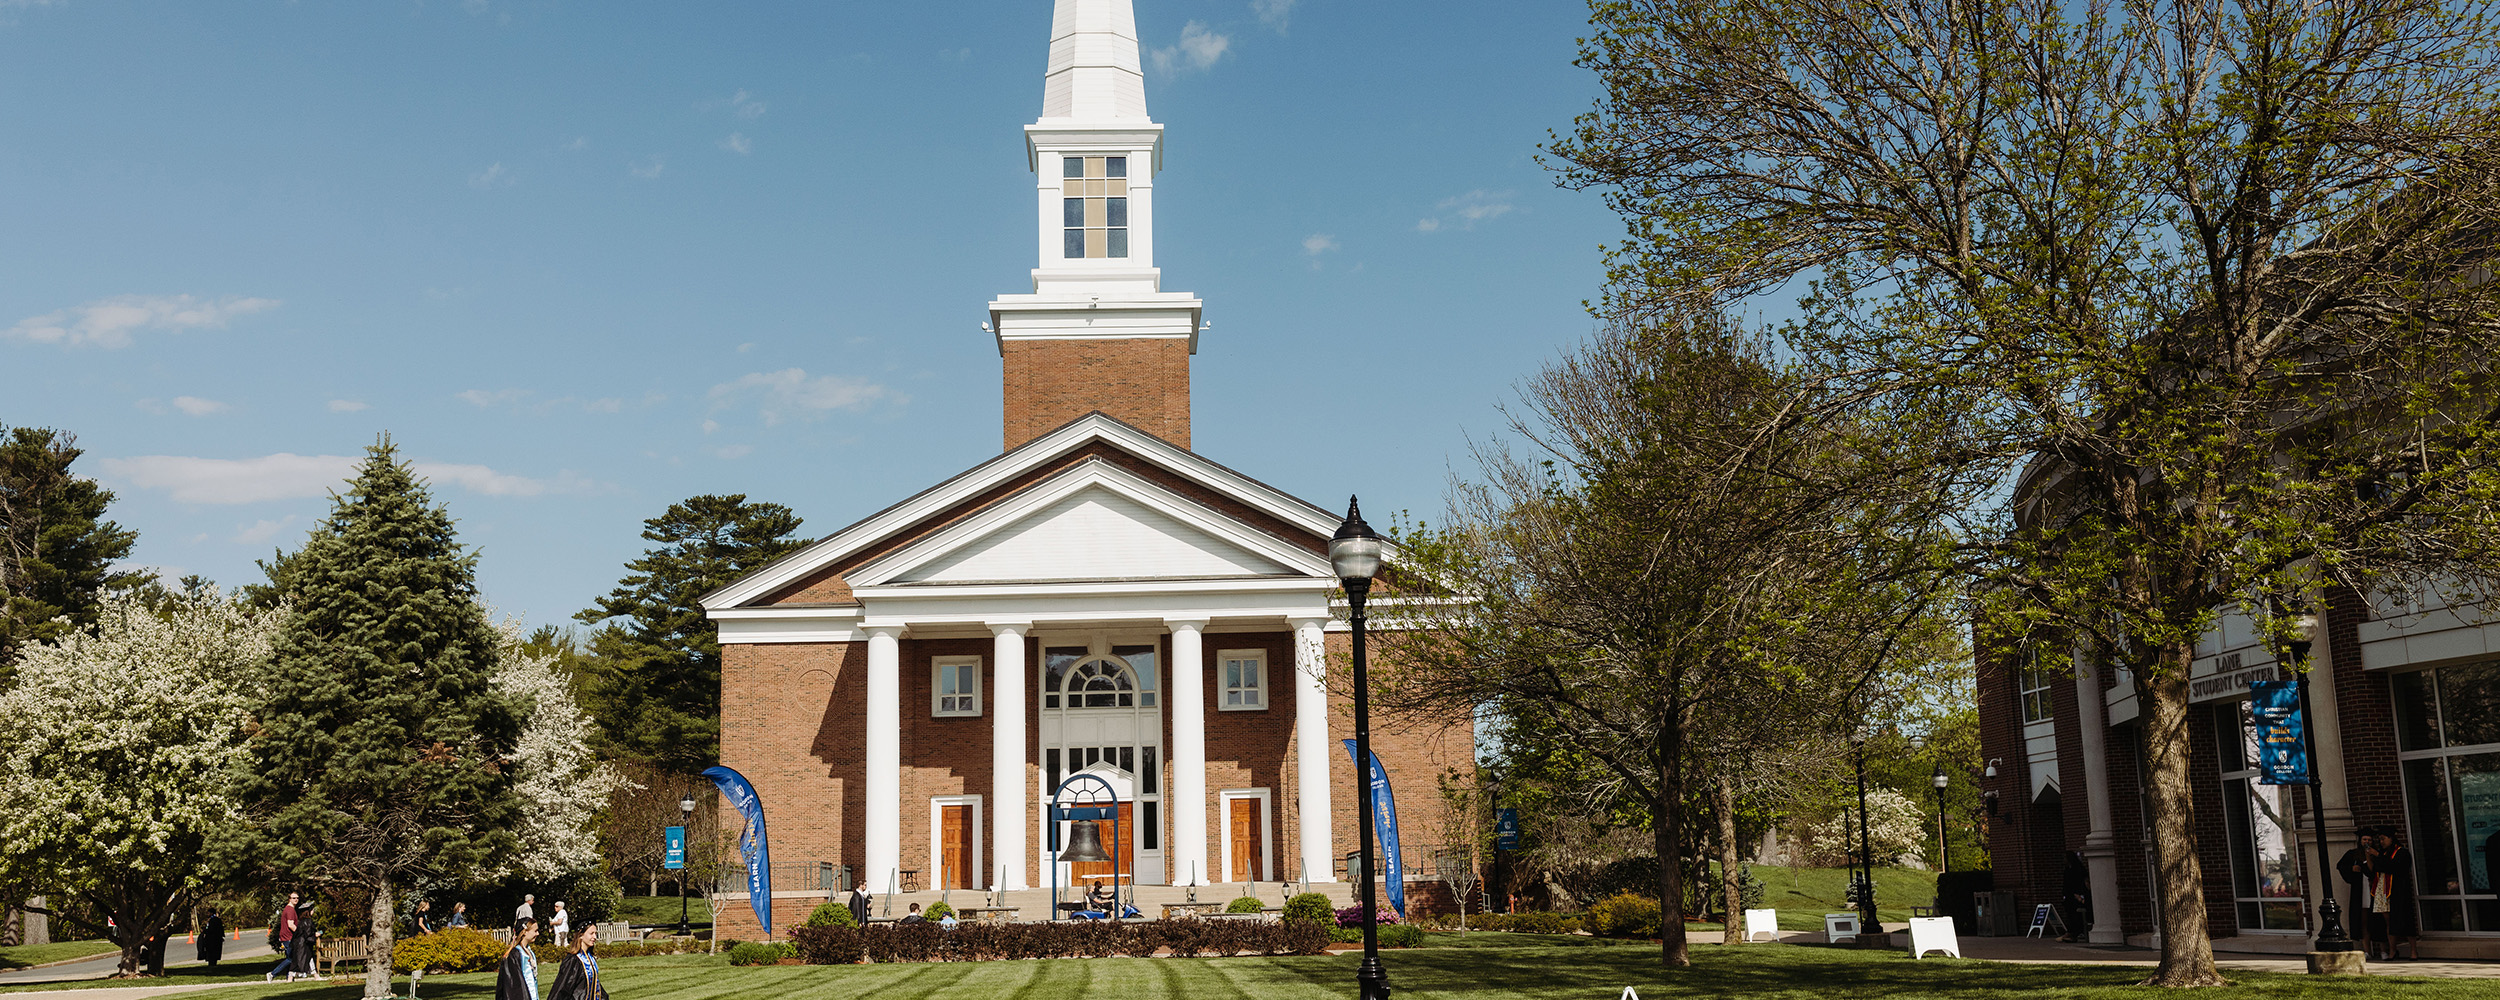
point(384, 753)
point(654, 679)
point(56, 550)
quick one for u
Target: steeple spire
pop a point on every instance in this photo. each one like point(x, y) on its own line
point(1097, 332)
point(1094, 75)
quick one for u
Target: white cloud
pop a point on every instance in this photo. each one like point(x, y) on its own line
point(196, 407)
point(264, 530)
point(288, 476)
point(1466, 210)
point(746, 107)
point(1319, 243)
point(1276, 14)
point(738, 143)
point(491, 177)
point(955, 55)
point(580, 142)
point(345, 406)
point(792, 392)
point(110, 322)
point(482, 398)
point(733, 451)
point(1198, 49)
point(649, 168)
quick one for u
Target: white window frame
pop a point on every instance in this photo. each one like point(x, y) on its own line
point(1267, 830)
point(1225, 691)
point(2033, 685)
point(937, 841)
point(937, 687)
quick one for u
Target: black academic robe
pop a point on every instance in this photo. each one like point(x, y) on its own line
point(511, 982)
point(574, 981)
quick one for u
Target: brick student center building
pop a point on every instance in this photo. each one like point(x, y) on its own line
point(2406, 703)
point(906, 694)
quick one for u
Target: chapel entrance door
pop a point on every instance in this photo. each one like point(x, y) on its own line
point(1248, 840)
point(954, 847)
point(1116, 840)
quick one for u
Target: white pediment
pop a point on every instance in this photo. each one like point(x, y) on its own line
point(1093, 534)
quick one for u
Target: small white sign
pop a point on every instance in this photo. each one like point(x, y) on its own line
point(1933, 934)
point(1762, 922)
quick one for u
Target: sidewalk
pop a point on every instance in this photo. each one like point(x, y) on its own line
point(119, 992)
point(2036, 950)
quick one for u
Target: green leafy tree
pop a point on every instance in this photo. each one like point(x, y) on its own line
point(654, 671)
point(2213, 280)
point(119, 758)
point(385, 752)
point(56, 549)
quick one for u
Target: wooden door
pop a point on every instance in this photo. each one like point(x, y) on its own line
point(1249, 840)
point(1115, 841)
point(955, 847)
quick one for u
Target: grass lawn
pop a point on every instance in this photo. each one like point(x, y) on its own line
point(663, 910)
point(24, 955)
point(1804, 895)
point(245, 971)
point(1598, 971)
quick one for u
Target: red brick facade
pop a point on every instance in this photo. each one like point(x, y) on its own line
point(1143, 382)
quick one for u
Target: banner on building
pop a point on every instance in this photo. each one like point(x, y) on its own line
point(752, 847)
point(1506, 830)
point(673, 847)
point(1385, 820)
point(2281, 734)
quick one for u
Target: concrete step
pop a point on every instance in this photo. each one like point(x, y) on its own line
point(1034, 904)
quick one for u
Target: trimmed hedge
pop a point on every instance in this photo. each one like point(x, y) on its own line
point(1186, 938)
point(835, 914)
point(1623, 915)
point(1245, 904)
point(452, 949)
point(1310, 907)
point(760, 953)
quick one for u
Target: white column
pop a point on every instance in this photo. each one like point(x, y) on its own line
point(1313, 748)
point(883, 822)
point(1007, 698)
point(2100, 842)
point(1188, 799)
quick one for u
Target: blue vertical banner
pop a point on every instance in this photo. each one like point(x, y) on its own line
point(1506, 830)
point(751, 842)
point(2281, 734)
point(1385, 820)
point(673, 847)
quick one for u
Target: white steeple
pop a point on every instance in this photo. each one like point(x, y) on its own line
point(1094, 71)
point(1094, 154)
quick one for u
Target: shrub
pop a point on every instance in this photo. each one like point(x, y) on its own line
point(923, 942)
point(755, 953)
point(1537, 922)
point(1401, 936)
point(878, 941)
point(1187, 936)
point(827, 945)
point(832, 915)
point(452, 949)
point(1140, 940)
point(550, 954)
point(1310, 907)
point(1245, 904)
point(1302, 937)
point(937, 911)
point(1622, 915)
point(1352, 916)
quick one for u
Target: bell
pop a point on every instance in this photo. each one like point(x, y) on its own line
point(1084, 842)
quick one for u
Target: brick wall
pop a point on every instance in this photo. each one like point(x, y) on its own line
point(2015, 836)
point(1143, 382)
point(1251, 750)
point(945, 756)
point(1417, 753)
point(791, 721)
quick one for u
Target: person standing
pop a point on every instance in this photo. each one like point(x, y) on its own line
point(2354, 869)
point(459, 915)
point(517, 977)
point(526, 912)
point(422, 918)
point(2076, 903)
point(578, 978)
point(2394, 916)
point(212, 938)
point(560, 925)
point(859, 905)
point(283, 927)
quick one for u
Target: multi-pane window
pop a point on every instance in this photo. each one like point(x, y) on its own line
point(1094, 200)
point(2448, 740)
point(956, 685)
point(2035, 681)
point(1245, 679)
point(2265, 870)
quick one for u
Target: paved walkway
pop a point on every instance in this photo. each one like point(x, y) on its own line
point(120, 992)
point(251, 954)
point(2035, 950)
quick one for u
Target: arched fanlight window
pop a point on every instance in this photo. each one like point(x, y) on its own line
point(1101, 682)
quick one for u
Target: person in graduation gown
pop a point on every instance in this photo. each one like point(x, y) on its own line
point(517, 977)
point(578, 979)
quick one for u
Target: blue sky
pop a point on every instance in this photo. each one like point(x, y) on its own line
point(585, 260)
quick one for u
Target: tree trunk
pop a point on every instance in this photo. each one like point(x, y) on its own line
point(1667, 821)
point(378, 941)
point(1723, 802)
point(2187, 954)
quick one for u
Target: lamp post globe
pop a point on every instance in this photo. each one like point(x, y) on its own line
point(685, 819)
point(1944, 847)
point(1354, 552)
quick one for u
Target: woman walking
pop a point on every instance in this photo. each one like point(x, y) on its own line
point(579, 978)
point(212, 938)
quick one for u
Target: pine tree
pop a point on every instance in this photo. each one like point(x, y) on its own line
point(56, 550)
point(655, 675)
point(384, 753)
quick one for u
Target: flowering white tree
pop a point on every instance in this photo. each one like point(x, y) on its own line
point(1895, 833)
point(118, 751)
point(562, 784)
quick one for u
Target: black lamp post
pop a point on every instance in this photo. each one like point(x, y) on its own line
point(685, 819)
point(1867, 923)
point(1355, 553)
point(1944, 848)
point(2331, 936)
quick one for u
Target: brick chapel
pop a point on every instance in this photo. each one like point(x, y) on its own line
point(907, 693)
